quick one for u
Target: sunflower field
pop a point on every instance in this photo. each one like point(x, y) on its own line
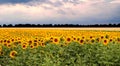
point(54, 47)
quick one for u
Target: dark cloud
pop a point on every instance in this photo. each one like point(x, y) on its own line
point(116, 17)
point(13, 1)
point(57, 3)
point(44, 1)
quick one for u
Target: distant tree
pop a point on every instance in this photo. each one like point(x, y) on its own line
point(110, 25)
point(10, 25)
point(61, 25)
point(4, 25)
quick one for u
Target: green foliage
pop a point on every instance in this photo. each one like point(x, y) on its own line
point(73, 54)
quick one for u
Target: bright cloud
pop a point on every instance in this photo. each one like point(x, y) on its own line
point(115, 1)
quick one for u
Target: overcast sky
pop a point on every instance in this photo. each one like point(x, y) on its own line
point(59, 11)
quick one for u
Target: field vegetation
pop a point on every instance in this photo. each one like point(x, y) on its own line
point(49, 47)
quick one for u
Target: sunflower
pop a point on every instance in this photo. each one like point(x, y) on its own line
point(83, 37)
point(78, 38)
point(9, 46)
point(74, 38)
point(91, 37)
point(105, 41)
point(102, 37)
point(92, 41)
point(12, 40)
point(19, 42)
point(56, 40)
point(35, 44)
point(68, 39)
point(110, 40)
point(5, 44)
point(5, 40)
point(8, 41)
point(42, 40)
point(43, 44)
point(13, 54)
point(24, 46)
point(81, 41)
point(51, 39)
point(35, 40)
point(32, 46)
point(30, 42)
point(97, 40)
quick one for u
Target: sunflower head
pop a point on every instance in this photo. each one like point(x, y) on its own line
point(110, 40)
point(92, 41)
point(68, 39)
point(56, 40)
point(24, 46)
point(105, 41)
point(81, 41)
point(102, 37)
point(13, 54)
point(31, 46)
point(98, 40)
point(8, 41)
point(35, 44)
point(43, 44)
point(30, 42)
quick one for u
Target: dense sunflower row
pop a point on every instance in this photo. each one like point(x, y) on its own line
point(33, 38)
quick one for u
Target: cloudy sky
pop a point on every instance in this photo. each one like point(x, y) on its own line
point(59, 11)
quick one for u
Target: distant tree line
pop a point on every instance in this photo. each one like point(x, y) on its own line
point(59, 25)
